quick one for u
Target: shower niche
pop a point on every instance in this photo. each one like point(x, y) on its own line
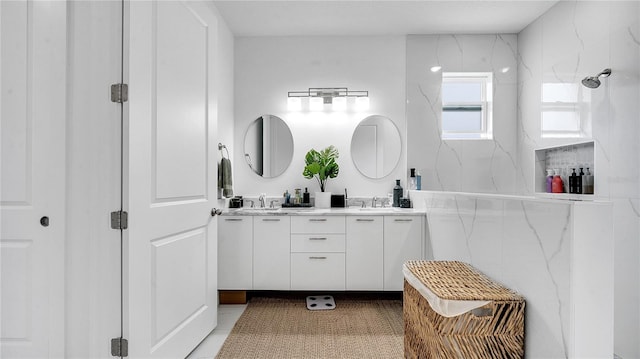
point(562, 160)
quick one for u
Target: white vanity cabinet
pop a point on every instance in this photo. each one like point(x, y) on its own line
point(346, 251)
point(271, 252)
point(235, 248)
point(318, 253)
point(402, 242)
point(364, 253)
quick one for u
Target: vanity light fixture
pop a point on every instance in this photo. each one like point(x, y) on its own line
point(337, 97)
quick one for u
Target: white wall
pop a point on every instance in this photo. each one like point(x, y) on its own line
point(225, 85)
point(461, 165)
point(266, 68)
point(573, 40)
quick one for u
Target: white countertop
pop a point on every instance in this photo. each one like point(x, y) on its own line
point(311, 211)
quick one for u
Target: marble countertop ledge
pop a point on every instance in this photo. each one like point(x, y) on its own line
point(419, 196)
point(351, 211)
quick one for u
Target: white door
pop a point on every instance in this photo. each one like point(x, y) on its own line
point(33, 43)
point(171, 251)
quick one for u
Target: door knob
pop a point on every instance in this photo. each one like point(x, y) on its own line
point(215, 211)
point(44, 221)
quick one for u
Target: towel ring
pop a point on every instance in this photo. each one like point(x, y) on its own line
point(221, 147)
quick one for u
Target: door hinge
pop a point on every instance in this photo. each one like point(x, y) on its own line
point(119, 93)
point(119, 347)
point(119, 220)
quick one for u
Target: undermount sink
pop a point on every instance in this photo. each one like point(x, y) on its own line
point(378, 209)
point(259, 210)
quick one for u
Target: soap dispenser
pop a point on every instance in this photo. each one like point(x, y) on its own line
point(305, 196)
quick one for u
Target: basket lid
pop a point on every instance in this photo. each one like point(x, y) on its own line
point(455, 280)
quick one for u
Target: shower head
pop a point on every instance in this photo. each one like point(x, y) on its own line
point(594, 81)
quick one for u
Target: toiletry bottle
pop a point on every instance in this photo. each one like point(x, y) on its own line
point(557, 186)
point(305, 196)
point(579, 182)
point(573, 181)
point(418, 181)
point(397, 194)
point(549, 180)
point(588, 180)
point(412, 179)
point(286, 197)
point(298, 196)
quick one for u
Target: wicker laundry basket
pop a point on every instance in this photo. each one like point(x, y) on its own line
point(495, 330)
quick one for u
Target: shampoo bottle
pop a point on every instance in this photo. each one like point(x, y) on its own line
point(573, 182)
point(557, 186)
point(397, 194)
point(587, 182)
point(549, 180)
point(579, 182)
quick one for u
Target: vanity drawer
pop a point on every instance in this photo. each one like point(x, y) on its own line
point(317, 242)
point(318, 224)
point(317, 271)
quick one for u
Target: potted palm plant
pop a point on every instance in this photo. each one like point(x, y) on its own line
point(321, 165)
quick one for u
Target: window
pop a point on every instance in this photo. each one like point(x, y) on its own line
point(467, 103)
point(565, 111)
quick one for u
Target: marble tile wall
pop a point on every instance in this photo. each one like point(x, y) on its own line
point(455, 165)
point(531, 246)
point(572, 40)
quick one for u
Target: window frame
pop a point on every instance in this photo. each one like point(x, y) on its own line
point(484, 106)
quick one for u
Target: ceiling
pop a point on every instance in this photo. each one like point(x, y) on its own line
point(373, 17)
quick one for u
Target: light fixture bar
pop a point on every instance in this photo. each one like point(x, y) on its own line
point(328, 92)
point(319, 96)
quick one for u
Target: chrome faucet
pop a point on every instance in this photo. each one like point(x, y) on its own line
point(262, 200)
point(250, 200)
point(272, 202)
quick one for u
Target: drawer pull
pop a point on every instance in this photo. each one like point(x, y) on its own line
point(403, 220)
point(317, 257)
point(233, 219)
point(317, 220)
point(317, 238)
point(364, 220)
point(271, 220)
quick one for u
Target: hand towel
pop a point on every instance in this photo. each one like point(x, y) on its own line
point(224, 178)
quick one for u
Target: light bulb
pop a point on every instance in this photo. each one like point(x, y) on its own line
point(339, 103)
point(294, 104)
point(362, 103)
point(316, 103)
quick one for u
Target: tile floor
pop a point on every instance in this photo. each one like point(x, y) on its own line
point(228, 315)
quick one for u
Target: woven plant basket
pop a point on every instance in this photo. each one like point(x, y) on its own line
point(495, 330)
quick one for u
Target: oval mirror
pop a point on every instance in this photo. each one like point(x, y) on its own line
point(268, 146)
point(376, 146)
